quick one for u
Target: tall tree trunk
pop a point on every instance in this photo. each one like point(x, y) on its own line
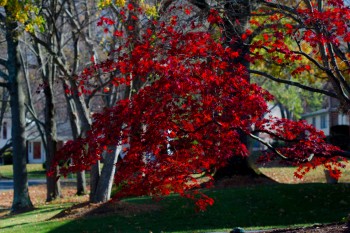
point(21, 200)
point(53, 185)
point(48, 72)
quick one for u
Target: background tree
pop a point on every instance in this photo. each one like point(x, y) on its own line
point(49, 77)
point(75, 30)
point(317, 38)
point(68, 43)
point(15, 14)
point(291, 101)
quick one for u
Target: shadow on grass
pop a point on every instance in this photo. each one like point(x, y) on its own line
point(28, 218)
point(268, 205)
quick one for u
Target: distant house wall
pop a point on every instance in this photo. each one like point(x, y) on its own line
point(325, 119)
point(5, 133)
point(343, 119)
point(320, 121)
point(36, 151)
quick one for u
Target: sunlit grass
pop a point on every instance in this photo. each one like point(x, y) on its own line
point(35, 171)
point(42, 213)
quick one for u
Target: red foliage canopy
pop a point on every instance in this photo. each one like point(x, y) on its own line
point(187, 117)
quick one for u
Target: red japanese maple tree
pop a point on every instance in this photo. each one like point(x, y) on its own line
point(188, 114)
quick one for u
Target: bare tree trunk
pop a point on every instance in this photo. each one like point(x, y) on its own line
point(21, 200)
point(53, 185)
point(48, 73)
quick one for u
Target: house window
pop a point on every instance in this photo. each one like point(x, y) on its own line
point(4, 130)
point(323, 122)
point(314, 121)
point(36, 150)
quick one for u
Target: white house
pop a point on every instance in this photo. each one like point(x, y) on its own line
point(36, 151)
point(324, 119)
point(320, 119)
point(35, 147)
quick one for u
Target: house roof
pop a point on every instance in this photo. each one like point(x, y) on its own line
point(319, 112)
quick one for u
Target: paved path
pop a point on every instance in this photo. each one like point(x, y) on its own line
point(8, 184)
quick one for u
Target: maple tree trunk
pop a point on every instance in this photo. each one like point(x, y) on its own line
point(21, 199)
point(235, 24)
point(104, 187)
point(95, 174)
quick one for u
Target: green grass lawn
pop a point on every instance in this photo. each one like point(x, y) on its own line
point(258, 207)
point(35, 171)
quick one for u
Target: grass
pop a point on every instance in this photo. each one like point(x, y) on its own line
point(35, 171)
point(41, 214)
point(258, 207)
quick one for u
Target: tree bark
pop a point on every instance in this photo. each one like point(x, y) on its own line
point(21, 199)
point(104, 187)
point(74, 123)
point(236, 21)
point(53, 185)
point(48, 73)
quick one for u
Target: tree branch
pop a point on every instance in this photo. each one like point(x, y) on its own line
point(274, 150)
point(36, 119)
point(279, 6)
point(296, 84)
point(4, 63)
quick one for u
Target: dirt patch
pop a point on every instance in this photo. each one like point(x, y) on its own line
point(37, 195)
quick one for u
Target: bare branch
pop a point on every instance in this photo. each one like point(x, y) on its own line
point(296, 84)
point(337, 69)
point(3, 62)
point(36, 119)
